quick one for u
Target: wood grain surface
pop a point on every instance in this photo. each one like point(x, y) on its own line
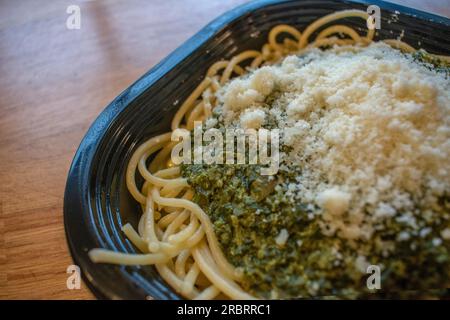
point(53, 84)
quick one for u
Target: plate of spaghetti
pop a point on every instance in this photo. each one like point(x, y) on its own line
point(288, 150)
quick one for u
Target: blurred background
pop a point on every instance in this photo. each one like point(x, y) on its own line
point(54, 81)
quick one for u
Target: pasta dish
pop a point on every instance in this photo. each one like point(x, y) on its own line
point(362, 177)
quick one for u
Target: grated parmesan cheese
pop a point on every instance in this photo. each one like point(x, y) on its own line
point(368, 127)
point(252, 119)
point(445, 234)
point(282, 237)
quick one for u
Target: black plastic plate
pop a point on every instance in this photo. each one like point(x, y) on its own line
point(96, 202)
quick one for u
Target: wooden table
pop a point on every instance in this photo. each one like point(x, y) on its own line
point(53, 84)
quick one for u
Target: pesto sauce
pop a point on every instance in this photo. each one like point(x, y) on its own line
point(248, 213)
point(432, 63)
